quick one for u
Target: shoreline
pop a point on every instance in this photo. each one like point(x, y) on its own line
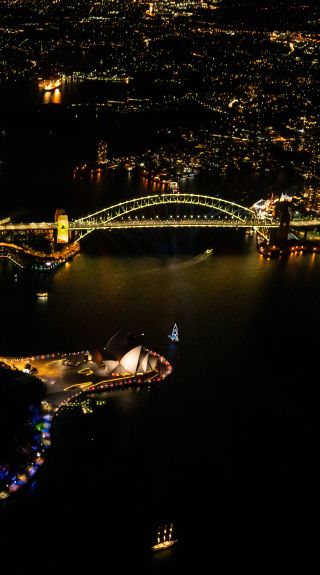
point(53, 404)
point(278, 250)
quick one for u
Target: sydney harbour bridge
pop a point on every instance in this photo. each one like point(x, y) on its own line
point(166, 210)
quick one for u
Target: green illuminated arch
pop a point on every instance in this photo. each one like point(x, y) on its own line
point(235, 211)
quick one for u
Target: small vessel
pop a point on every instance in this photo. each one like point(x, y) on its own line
point(209, 251)
point(174, 186)
point(164, 539)
point(42, 294)
point(50, 85)
point(174, 334)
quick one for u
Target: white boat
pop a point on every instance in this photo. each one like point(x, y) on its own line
point(174, 334)
point(42, 294)
point(164, 539)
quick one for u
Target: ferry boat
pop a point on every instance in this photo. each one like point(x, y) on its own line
point(42, 294)
point(50, 85)
point(164, 539)
point(174, 334)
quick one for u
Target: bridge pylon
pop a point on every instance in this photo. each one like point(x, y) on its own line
point(280, 235)
point(63, 226)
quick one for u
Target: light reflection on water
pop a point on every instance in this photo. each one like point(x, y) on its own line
point(52, 97)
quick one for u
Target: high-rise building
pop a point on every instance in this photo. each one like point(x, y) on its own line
point(102, 152)
point(311, 194)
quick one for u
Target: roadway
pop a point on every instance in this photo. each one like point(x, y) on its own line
point(135, 222)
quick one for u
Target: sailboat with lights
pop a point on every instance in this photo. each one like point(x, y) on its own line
point(164, 539)
point(174, 336)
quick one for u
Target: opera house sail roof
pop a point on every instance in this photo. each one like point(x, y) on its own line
point(137, 361)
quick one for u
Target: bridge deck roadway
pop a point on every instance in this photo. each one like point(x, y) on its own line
point(156, 223)
point(171, 223)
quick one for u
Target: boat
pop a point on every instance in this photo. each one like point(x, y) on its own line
point(42, 294)
point(49, 85)
point(174, 334)
point(209, 251)
point(164, 539)
point(174, 186)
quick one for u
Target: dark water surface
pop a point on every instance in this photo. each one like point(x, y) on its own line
point(224, 448)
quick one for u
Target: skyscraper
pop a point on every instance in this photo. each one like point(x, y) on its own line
point(102, 152)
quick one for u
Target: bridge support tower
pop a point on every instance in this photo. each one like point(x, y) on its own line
point(280, 235)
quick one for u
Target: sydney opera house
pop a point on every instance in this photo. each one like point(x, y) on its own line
point(137, 361)
point(122, 358)
point(123, 361)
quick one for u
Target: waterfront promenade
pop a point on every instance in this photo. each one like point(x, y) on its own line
point(68, 374)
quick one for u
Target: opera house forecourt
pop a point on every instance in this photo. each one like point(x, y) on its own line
point(123, 362)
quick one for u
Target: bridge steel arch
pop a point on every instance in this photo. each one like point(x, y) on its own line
point(111, 213)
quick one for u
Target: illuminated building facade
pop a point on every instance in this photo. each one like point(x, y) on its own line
point(102, 152)
point(311, 194)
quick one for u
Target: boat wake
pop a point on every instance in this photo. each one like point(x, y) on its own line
point(193, 262)
point(160, 266)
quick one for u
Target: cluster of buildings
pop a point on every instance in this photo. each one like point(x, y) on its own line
point(244, 81)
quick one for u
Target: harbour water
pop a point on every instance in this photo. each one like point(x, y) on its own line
point(223, 448)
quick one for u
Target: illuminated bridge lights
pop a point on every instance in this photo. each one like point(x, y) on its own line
point(112, 217)
point(118, 216)
point(229, 208)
